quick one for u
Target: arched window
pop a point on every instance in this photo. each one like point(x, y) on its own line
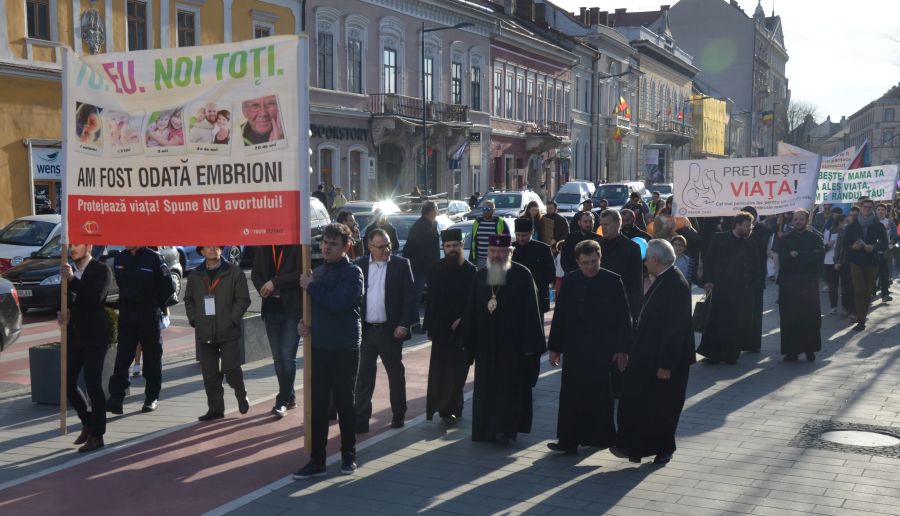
point(326, 46)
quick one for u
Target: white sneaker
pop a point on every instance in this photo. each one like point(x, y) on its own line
point(136, 370)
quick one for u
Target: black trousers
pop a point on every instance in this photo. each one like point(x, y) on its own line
point(884, 274)
point(847, 302)
point(333, 375)
point(832, 279)
point(209, 354)
point(138, 325)
point(88, 358)
point(380, 342)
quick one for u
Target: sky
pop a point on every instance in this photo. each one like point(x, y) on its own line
point(841, 53)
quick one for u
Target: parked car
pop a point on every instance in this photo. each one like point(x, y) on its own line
point(572, 194)
point(10, 315)
point(37, 279)
point(456, 210)
point(507, 204)
point(24, 236)
point(190, 259)
point(616, 194)
point(402, 222)
point(368, 207)
point(664, 189)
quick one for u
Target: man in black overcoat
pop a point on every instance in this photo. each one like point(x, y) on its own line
point(537, 257)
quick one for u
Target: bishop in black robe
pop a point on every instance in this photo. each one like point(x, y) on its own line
point(800, 256)
point(657, 374)
point(731, 264)
point(537, 258)
point(591, 323)
point(449, 281)
point(505, 344)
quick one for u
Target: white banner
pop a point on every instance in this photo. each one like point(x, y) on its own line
point(841, 160)
point(721, 187)
point(847, 186)
point(205, 144)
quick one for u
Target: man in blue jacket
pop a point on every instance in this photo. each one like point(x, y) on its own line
point(336, 289)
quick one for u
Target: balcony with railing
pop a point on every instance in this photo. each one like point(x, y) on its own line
point(388, 104)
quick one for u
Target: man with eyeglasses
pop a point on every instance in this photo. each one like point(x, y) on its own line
point(388, 311)
point(336, 288)
point(263, 121)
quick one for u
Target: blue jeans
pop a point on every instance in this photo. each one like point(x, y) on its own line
point(283, 341)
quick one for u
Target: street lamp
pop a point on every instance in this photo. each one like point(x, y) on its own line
point(424, 107)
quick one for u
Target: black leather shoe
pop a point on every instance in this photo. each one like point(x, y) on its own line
point(397, 422)
point(662, 459)
point(502, 439)
point(362, 428)
point(114, 407)
point(211, 416)
point(150, 406)
point(811, 356)
point(790, 358)
point(243, 404)
point(859, 327)
point(83, 436)
point(557, 447)
point(93, 443)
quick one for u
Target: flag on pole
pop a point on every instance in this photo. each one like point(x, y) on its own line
point(681, 115)
point(618, 135)
point(768, 117)
point(623, 109)
point(459, 152)
point(862, 158)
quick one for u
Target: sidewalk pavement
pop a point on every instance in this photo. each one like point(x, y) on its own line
point(747, 444)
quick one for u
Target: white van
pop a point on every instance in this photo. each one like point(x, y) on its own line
point(572, 194)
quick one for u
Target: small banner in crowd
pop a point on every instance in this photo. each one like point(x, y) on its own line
point(721, 187)
point(846, 186)
point(203, 145)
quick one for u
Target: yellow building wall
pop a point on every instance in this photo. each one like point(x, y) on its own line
point(15, 27)
point(29, 108)
point(709, 120)
point(242, 23)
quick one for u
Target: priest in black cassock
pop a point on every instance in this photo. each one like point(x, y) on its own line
point(731, 269)
point(800, 257)
point(503, 332)
point(592, 331)
point(449, 281)
point(537, 258)
point(584, 222)
point(657, 375)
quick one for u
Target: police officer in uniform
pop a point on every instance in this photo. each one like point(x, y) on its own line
point(146, 290)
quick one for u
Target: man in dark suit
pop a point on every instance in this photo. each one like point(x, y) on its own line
point(657, 374)
point(536, 256)
point(388, 311)
point(89, 338)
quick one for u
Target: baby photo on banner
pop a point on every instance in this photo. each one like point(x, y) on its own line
point(192, 138)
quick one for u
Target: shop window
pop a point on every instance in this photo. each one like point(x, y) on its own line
point(261, 31)
point(356, 174)
point(326, 172)
point(137, 25)
point(38, 15)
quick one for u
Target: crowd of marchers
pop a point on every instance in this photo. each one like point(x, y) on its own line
point(623, 323)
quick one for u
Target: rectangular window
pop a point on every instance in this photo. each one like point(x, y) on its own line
point(187, 30)
point(261, 31)
point(326, 60)
point(498, 92)
point(509, 95)
point(530, 93)
point(889, 115)
point(550, 102)
point(539, 115)
point(559, 104)
point(520, 97)
point(429, 79)
point(476, 88)
point(137, 25)
point(354, 66)
point(567, 108)
point(587, 96)
point(886, 136)
point(37, 13)
point(390, 70)
point(456, 83)
point(577, 88)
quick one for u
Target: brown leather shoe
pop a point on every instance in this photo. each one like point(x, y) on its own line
point(93, 443)
point(83, 436)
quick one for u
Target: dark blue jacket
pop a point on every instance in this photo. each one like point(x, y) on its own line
point(336, 300)
point(143, 280)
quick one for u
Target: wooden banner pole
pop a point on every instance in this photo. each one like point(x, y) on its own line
point(63, 343)
point(306, 267)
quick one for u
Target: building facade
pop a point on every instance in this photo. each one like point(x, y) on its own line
point(878, 123)
point(31, 42)
point(743, 57)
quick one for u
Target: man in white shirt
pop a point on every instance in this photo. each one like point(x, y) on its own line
point(388, 312)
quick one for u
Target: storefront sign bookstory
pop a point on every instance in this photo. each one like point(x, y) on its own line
point(721, 187)
point(188, 145)
point(332, 132)
point(843, 186)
